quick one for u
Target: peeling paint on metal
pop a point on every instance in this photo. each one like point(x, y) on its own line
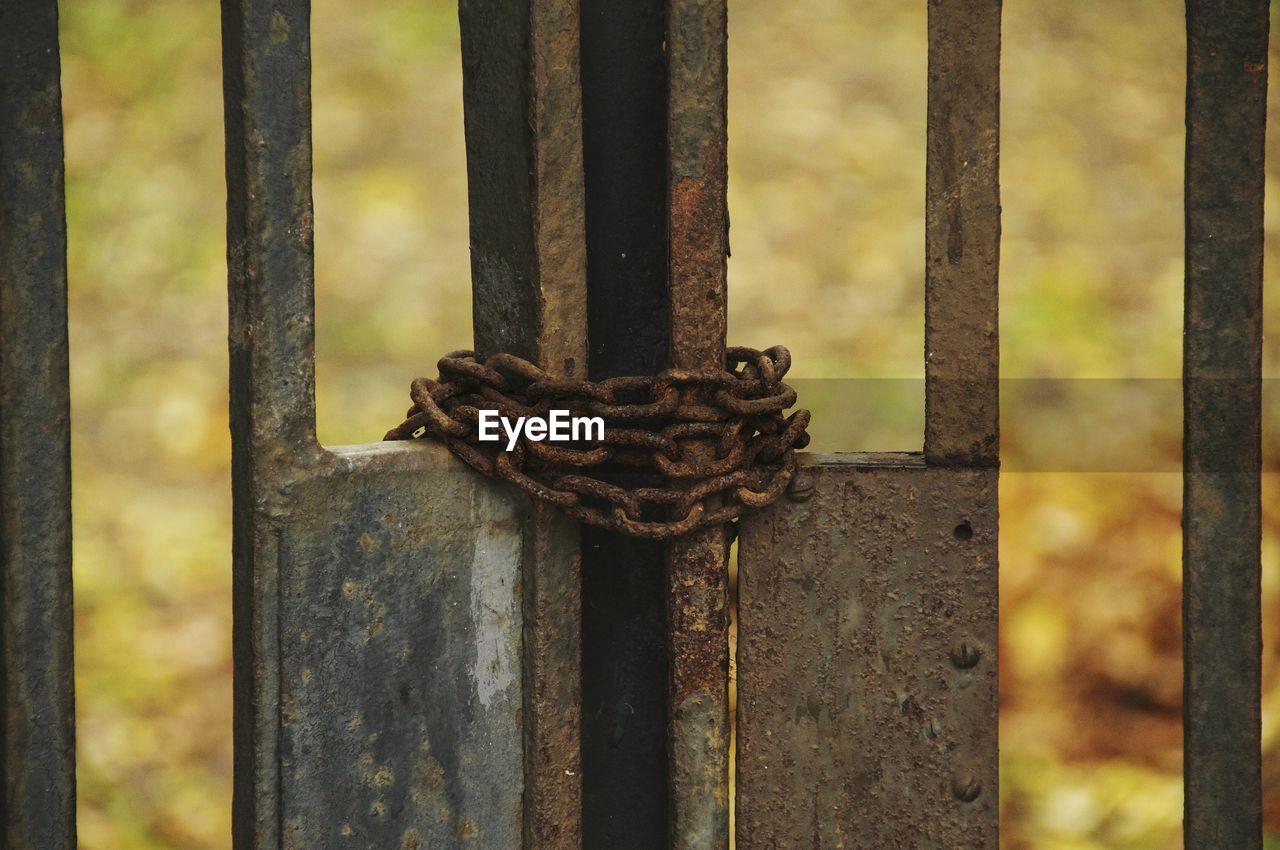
point(494, 607)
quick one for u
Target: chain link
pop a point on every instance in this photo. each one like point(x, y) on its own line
point(650, 425)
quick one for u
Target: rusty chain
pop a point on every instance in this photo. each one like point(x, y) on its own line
point(648, 423)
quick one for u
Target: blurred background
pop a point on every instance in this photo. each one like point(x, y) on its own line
point(827, 108)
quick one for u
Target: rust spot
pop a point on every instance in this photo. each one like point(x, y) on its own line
point(369, 544)
point(279, 28)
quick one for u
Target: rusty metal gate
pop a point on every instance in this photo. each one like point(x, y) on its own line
point(426, 659)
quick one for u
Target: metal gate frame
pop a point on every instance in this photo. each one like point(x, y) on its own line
point(407, 635)
point(37, 747)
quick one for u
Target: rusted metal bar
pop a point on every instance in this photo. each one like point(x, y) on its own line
point(377, 591)
point(266, 85)
point(523, 112)
point(697, 574)
point(624, 651)
point(866, 659)
point(962, 234)
point(1222, 370)
point(37, 747)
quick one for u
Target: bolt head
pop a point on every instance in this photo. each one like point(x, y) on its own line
point(800, 488)
point(966, 654)
point(966, 786)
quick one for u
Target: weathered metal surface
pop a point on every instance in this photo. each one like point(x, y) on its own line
point(37, 747)
point(400, 659)
point(377, 596)
point(523, 114)
point(697, 565)
point(962, 234)
point(624, 652)
point(624, 688)
point(698, 617)
point(624, 125)
point(266, 85)
point(551, 575)
point(698, 174)
point(867, 659)
point(1222, 370)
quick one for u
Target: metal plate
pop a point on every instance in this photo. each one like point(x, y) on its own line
point(400, 658)
point(867, 660)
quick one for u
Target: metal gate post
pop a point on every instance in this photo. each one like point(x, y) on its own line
point(656, 618)
point(1222, 445)
point(37, 745)
point(697, 565)
point(867, 603)
point(523, 111)
point(624, 654)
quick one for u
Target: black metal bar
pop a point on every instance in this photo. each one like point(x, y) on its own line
point(962, 234)
point(523, 108)
point(1222, 370)
point(267, 99)
point(38, 741)
point(624, 651)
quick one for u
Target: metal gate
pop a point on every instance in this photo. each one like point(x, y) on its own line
point(426, 659)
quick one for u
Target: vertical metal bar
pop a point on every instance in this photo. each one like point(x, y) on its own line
point(523, 109)
point(697, 575)
point(624, 652)
point(1222, 370)
point(267, 101)
point(38, 741)
point(962, 234)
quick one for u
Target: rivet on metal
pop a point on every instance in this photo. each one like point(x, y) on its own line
point(800, 488)
point(966, 786)
point(965, 654)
